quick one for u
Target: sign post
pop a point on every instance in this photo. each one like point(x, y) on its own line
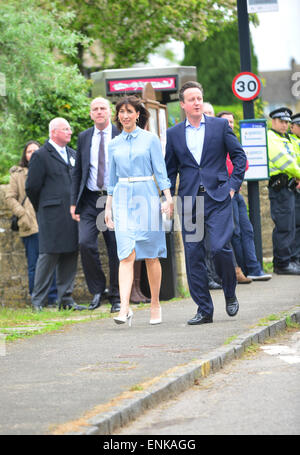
point(242, 87)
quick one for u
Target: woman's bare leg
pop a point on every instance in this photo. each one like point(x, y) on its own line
point(154, 278)
point(126, 273)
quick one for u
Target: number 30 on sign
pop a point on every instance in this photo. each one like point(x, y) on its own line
point(246, 86)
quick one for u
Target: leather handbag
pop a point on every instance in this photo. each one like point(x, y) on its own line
point(14, 220)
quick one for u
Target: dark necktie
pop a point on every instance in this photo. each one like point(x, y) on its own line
point(101, 162)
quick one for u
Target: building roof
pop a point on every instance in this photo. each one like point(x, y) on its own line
point(282, 87)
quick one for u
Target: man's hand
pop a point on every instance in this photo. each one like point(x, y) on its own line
point(232, 193)
point(73, 214)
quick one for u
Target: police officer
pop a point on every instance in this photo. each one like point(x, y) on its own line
point(295, 136)
point(284, 178)
point(295, 132)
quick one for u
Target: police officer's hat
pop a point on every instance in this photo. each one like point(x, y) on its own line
point(283, 113)
point(296, 118)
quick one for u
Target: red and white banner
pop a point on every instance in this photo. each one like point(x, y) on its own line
point(167, 83)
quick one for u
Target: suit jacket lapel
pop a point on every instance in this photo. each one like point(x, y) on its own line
point(71, 155)
point(54, 154)
point(207, 137)
point(87, 146)
point(182, 138)
point(184, 147)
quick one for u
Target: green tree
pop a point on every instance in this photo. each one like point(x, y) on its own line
point(218, 61)
point(39, 85)
point(128, 31)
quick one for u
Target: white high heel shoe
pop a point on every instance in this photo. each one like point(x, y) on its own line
point(123, 319)
point(157, 320)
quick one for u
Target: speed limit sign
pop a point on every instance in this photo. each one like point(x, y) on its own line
point(246, 86)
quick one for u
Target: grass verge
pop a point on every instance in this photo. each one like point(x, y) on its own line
point(23, 323)
point(16, 323)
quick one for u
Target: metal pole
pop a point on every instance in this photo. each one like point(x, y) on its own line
point(248, 109)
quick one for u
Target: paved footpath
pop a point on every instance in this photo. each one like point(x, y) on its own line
point(95, 376)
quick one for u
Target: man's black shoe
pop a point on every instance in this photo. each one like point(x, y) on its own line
point(70, 306)
point(214, 285)
point(200, 319)
point(115, 305)
point(96, 302)
point(232, 306)
point(291, 269)
point(78, 307)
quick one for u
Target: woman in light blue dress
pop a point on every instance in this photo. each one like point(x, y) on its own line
point(133, 205)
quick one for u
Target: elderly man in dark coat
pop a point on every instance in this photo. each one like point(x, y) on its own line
point(48, 187)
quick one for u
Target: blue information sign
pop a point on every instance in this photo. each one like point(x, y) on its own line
point(253, 133)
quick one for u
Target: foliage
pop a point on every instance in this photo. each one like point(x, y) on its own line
point(218, 61)
point(128, 31)
point(173, 113)
point(42, 51)
point(268, 267)
point(39, 86)
point(237, 110)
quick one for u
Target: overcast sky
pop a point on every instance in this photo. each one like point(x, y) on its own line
point(277, 39)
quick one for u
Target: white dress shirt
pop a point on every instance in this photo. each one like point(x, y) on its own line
point(195, 138)
point(92, 179)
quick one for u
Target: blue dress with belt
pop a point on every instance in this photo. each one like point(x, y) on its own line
point(134, 159)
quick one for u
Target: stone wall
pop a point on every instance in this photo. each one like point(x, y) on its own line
point(13, 268)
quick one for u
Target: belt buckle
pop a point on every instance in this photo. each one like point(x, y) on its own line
point(130, 179)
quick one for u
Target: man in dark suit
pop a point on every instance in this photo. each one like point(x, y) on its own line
point(48, 187)
point(197, 150)
point(89, 183)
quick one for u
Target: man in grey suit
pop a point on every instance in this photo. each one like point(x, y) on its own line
point(48, 187)
point(89, 183)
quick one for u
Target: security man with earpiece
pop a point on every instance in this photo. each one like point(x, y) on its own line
point(284, 180)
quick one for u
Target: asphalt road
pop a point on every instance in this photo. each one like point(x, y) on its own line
point(258, 394)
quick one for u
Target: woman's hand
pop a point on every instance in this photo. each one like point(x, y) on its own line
point(108, 213)
point(108, 219)
point(167, 207)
